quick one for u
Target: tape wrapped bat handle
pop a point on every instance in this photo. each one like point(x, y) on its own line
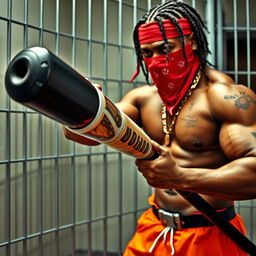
point(41, 81)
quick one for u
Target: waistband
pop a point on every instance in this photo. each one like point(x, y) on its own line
point(178, 221)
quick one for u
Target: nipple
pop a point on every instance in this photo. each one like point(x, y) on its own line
point(197, 143)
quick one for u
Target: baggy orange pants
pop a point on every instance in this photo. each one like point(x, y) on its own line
point(202, 241)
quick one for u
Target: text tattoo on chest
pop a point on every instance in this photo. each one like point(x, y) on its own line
point(190, 121)
point(241, 100)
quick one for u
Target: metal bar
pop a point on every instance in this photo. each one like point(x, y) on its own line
point(73, 163)
point(57, 27)
point(54, 157)
point(73, 229)
point(26, 23)
point(89, 180)
point(25, 195)
point(149, 5)
point(40, 147)
point(220, 52)
point(239, 28)
point(105, 158)
point(41, 34)
point(89, 209)
point(135, 216)
point(57, 213)
point(73, 32)
point(135, 14)
point(120, 70)
point(25, 129)
point(40, 189)
point(235, 40)
point(17, 22)
point(120, 189)
point(248, 41)
point(105, 204)
point(8, 139)
point(210, 19)
point(57, 194)
point(194, 3)
point(56, 162)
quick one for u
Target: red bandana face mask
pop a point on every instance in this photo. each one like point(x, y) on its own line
point(174, 75)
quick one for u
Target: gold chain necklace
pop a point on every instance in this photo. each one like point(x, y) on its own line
point(169, 123)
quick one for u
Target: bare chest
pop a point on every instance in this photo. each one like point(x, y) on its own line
point(195, 128)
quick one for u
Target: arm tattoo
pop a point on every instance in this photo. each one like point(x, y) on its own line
point(241, 100)
point(253, 134)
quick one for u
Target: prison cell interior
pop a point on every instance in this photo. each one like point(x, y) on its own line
point(61, 198)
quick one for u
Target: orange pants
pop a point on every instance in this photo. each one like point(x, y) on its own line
point(202, 241)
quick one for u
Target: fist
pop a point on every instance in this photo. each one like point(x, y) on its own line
point(161, 172)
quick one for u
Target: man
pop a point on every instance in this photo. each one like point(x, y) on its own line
point(203, 126)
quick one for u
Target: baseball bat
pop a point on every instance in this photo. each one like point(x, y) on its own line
point(41, 81)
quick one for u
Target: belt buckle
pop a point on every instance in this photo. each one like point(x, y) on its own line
point(170, 219)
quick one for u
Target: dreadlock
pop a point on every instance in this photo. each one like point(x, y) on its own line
point(174, 10)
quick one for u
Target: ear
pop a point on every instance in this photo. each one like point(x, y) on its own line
point(192, 40)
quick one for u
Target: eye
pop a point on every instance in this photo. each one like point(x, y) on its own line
point(165, 51)
point(146, 53)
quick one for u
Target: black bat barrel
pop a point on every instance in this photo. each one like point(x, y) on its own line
point(41, 81)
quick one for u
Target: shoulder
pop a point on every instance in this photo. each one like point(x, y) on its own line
point(230, 102)
point(215, 75)
point(139, 94)
point(134, 100)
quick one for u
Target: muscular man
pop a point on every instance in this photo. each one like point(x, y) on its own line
point(206, 126)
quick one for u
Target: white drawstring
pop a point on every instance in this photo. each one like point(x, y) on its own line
point(171, 241)
point(164, 233)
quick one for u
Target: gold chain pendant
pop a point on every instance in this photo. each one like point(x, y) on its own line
point(168, 125)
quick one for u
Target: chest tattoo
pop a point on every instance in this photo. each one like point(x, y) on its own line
point(189, 121)
point(191, 106)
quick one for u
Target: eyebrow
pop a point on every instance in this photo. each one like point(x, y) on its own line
point(159, 46)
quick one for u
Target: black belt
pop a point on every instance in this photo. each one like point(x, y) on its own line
point(179, 221)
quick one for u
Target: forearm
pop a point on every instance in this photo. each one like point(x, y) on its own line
point(234, 181)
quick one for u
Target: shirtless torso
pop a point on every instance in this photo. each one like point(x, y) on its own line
point(195, 142)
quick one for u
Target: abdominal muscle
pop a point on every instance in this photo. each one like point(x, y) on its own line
point(171, 200)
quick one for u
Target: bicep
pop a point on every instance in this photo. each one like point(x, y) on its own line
point(234, 106)
point(238, 140)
